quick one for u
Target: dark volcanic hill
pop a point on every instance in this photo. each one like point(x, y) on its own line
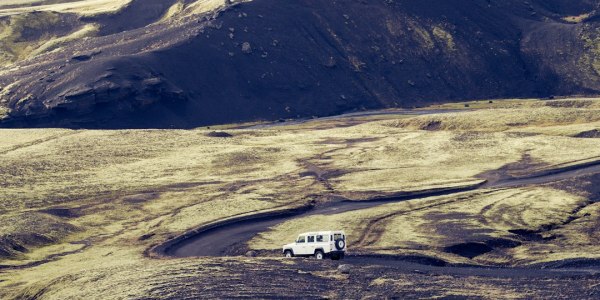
point(156, 64)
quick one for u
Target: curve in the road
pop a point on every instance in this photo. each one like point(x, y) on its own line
point(218, 239)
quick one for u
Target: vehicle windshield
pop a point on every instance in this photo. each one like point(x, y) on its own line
point(301, 239)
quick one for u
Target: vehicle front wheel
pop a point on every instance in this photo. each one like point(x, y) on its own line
point(288, 253)
point(319, 254)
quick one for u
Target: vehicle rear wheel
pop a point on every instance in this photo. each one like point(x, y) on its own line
point(340, 244)
point(319, 254)
point(288, 254)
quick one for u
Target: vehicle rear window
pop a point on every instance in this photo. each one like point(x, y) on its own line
point(338, 236)
point(311, 239)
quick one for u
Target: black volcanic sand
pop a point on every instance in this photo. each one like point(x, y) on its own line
point(303, 278)
point(268, 59)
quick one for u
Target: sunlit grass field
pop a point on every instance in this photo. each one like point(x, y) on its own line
point(74, 200)
point(83, 7)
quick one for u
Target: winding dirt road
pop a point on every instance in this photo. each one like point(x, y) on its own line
point(228, 237)
point(220, 239)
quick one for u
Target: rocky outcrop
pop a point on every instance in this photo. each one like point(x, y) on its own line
point(269, 59)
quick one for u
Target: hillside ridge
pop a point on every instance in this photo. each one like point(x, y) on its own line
point(184, 64)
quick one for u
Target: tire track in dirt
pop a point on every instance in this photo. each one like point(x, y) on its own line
point(38, 142)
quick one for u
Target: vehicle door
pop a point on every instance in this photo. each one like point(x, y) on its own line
point(310, 245)
point(323, 242)
point(300, 248)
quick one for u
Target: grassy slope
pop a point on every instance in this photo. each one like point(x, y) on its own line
point(104, 197)
point(55, 24)
point(82, 7)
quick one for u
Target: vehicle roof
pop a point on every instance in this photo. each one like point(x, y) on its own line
point(323, 232)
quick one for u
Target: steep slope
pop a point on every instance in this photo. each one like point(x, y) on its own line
point(191, 63)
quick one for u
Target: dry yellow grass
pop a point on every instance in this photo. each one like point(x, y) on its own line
point(172, 12)
point(22, 18)
point(81, 7)
point(577, 19)
point(17, 138)
point(568, 130)
point(3, 112)
point(470, 287)
point(412, 160)
point(575, 240)
point(591, 102)
point(181, 9)
point(87, 30)
point(485, 120)
point(117, 186)
point(18, 42)
point(202, 6)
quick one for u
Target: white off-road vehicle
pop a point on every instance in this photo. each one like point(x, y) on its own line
point(318, 244)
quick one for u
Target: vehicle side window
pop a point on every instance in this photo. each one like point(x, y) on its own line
point(311, 238)
point(301, 239)
point(321, 238)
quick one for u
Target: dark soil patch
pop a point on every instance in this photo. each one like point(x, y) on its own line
point(418, 259)
point(572, 263)
point(528, 235)
point(11, 245)
point(592, 134)
point(569, 103)
point(432, 126)
point(469, 250)
point(146, 236)
point(503, 243)
point(140, 198)
point(587, 186)
point(219, 134)
point(348, 141)
point(369, 257)
point(62, 212)
point(308, 174)
point(513, 170)
point(521, 134)
point(15, 244)
point(474, 249)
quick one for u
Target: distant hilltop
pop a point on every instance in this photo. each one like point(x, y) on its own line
point(190, 63)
